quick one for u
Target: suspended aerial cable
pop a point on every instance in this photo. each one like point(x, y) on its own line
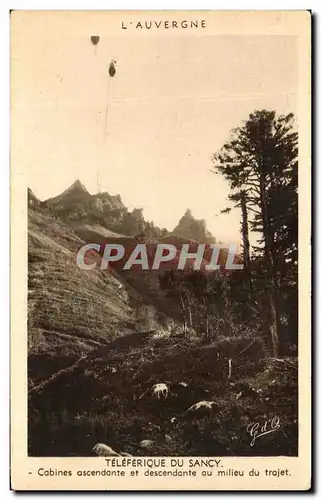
point(106, 109)
point(111, 72)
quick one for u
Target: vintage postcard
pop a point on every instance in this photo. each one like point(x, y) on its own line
point(160, 250)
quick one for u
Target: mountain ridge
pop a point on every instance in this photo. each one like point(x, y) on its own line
point(76, 206)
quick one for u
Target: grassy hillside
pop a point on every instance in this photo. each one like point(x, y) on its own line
point(70, 311)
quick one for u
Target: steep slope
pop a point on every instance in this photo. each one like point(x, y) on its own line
point(70, 311)
point(102, 218)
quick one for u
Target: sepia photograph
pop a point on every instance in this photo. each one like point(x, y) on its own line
point(160, 179)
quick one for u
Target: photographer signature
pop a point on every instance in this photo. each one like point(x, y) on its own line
point(257, 430)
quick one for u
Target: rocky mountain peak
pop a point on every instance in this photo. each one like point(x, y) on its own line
point(73, 194)
point(76, 186)
point(194, 229)
point(77, 206)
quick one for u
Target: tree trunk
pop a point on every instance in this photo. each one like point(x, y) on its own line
point(246, 242)
point(271, 288)
point(273, 325)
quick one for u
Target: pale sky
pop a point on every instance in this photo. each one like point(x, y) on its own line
point(173, 101)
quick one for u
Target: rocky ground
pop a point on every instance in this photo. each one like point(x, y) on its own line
point(108, 398)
